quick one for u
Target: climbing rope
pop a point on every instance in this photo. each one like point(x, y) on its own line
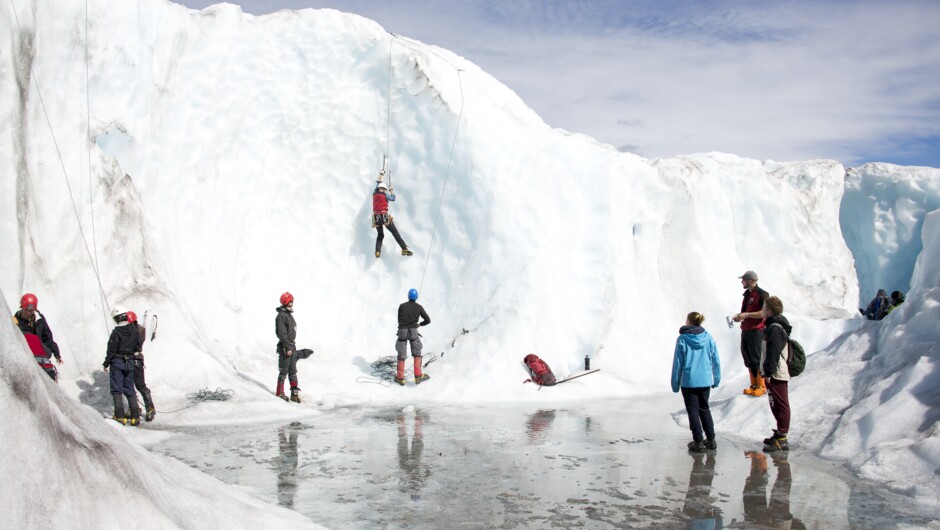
point(453, 144)
point(68, 184)
point(440, 201)
point(204, 395)
point(384, 369)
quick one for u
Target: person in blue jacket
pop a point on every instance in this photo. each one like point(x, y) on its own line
point(696, 370)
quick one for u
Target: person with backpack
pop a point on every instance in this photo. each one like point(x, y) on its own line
point(751, 318)
point(773, 367)
point(119, 362)
point(139, 381)
point(381, 218)
point(879, 307)
point(31, 322)
point(696, 369)
point(285, 327)
point(408, 315)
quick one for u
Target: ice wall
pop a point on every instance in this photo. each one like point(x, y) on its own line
point(232, 157)
point(882, 217)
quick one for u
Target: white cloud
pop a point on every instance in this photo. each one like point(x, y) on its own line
point(852, 81)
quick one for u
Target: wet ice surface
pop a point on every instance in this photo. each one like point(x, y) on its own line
point(614, 464)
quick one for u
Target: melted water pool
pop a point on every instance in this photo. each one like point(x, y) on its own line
point(617, 464)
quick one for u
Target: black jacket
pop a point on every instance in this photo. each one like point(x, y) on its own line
point(37, 326)
point(408, 314)
point(776, 341)
point(122, 343)
point(286, 329)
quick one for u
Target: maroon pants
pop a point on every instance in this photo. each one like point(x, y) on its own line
point(779, 399)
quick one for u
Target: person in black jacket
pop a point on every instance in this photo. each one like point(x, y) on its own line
point(139, 380)
point(773, 368)
point(30, 320)
point(408, 314)
point(120, 362)
point(286, 329)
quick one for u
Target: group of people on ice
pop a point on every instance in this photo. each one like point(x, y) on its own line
point(881, 306)
point(765, 349)
point(124, 359)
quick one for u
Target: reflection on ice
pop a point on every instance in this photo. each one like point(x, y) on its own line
point(597, 465)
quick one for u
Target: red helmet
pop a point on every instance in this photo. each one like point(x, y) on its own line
point(131, 317)
point(29, 299)
point(286, 298)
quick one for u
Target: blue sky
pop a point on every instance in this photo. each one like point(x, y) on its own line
point(854, 81)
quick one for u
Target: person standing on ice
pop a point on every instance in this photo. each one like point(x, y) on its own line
point(773, 367)
point(696, 370)
point(120, 362)
point(286, 329)
point(752, 329)
point(381, 218)
point(31, 321)
point(408, 315)
point(139, 382)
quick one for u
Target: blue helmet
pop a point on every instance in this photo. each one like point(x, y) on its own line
point(413, 294)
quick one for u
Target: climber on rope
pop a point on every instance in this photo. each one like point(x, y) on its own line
point(381, 218)
point(38, 335)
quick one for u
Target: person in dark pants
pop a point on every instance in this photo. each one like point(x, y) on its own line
point(751, 318)
point(31, 321)
point(286, 329)
point(696, 370)
point(773, 367)
point(408, 314)
point(381, 218)
point(120, 363)
point(139, 382)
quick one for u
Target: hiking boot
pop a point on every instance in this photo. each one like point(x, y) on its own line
point(120, 419)
point(400, 380)
point(750, 390)
point(711, 445)
point(295, 397)
point(406, 252)
point(696, 447)
point(420, 378)
point(378, 253)
point(770, 439)
point(778, 444)
point(151, 412)
point(282, 395)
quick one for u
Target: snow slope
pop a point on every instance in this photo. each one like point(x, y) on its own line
point(229, 158)
point(65, 468)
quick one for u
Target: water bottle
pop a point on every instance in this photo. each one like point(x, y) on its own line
point(587, 362)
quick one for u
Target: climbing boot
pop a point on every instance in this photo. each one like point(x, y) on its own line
point(134, 422)
point(295, 395)
point(120, 419)
point(770, 439)
point(760, 390)
point(420, 378)
point(406, 252)
point(151, 412)
point(778, 442)
point(282, 395)
point(711, 445)
point(750, 390)
point(400, 380)
point(696, 447)
point(378, 253)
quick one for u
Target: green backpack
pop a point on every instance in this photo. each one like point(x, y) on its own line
point(796, 362)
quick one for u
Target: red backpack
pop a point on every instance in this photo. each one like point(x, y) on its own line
point(541, 373)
